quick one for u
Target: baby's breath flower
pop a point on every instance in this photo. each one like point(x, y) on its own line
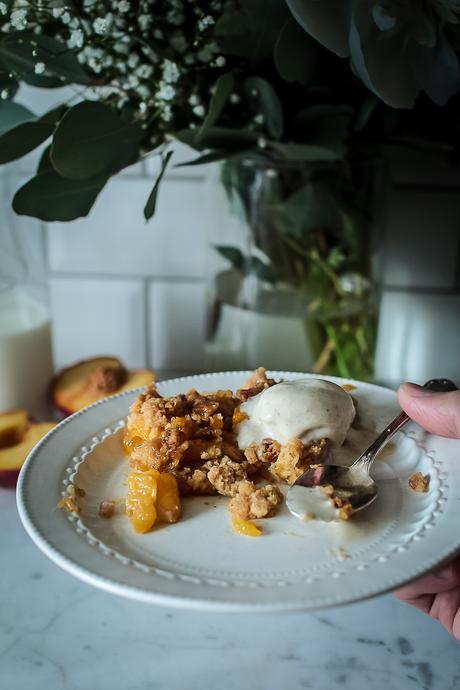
point(3, 8)
point(198, 110)
point(175, 17)
point(178, 42)
point(144, 21)
point(76, 39)
point(235, 98)
point(39, 68)
point(166, 92)
point(65, 18)
point(124, 6)
point(19, 19)
point(102, 25)
point(143, 91)
point(144, 71)
point(205, 54)
point(205, 22)
point(133, 81)
point(167, 113)
point(221, 61)
point(170, 71)
point(133, 60)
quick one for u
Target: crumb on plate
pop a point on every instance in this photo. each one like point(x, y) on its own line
point(419, 482)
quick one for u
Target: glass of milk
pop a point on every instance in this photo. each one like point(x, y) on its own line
point(26, 365)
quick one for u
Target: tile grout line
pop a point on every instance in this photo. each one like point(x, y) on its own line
point(79, 275)
point(147, 323)
point(45, 249)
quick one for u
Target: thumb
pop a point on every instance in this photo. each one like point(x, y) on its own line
point(438, 413)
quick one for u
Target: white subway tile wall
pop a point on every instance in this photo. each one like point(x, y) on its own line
point(135, 289)
point(176, 328)
point(421, 243)
point(94, 316)
point(115, 238)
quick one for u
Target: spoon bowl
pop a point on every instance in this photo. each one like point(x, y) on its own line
point(313, 493)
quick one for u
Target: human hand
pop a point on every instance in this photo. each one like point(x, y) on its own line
point(437, 594)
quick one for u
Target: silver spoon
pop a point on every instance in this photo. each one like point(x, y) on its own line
point(352, 484)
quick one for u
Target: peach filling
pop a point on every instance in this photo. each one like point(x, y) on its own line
point(152, 496)
point(245, 527)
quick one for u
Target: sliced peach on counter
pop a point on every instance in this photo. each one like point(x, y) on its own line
point(13, 457)
point(94, 379)
point(13, 426)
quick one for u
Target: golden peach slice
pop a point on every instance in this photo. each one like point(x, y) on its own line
point(13, 457)
point(95, 379)
point(13, 426)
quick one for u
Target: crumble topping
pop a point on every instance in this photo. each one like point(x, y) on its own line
point(294, 458)
point(69, 502)
point(257, 382)
point(419, 482)
point(250, 502)
point(344, 507)
point(107, 509)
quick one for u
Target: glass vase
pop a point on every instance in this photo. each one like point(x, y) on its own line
point(292, 285)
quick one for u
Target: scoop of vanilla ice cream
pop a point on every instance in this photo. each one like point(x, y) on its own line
point(308, 409)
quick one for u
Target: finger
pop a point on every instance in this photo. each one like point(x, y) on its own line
point(441, 580)
point(446, 608)
point(424, 602)
point(438, 413)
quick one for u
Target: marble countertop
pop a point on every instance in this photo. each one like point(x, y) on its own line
point(57, 633)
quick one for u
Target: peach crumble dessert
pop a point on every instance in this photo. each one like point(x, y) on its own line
point(242, 445)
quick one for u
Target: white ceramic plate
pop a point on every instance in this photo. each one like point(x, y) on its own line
point(200, 562)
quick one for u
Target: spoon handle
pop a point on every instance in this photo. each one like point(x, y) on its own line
point(367, 458)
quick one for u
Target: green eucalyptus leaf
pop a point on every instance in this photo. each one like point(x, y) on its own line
point(205, 158)
point(257, 267)
point(21, 131)
point(91, 139)
point(223, 89)
point(251, 29)
point(44, 164)
point(325, 125)
point(232, 254)
point(22, 139)
point(8, 86)
point(150, 206)
point(50, 197)
point(13, 114)
point(53, 116)
point(20, 51)
point(295, 54)
point(303, 152)
point(309, 208)
point(264, 97)
point(227, 138)
point(365, 112)
point(187, 136)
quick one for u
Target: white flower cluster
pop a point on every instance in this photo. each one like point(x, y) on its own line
point(158, 56)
